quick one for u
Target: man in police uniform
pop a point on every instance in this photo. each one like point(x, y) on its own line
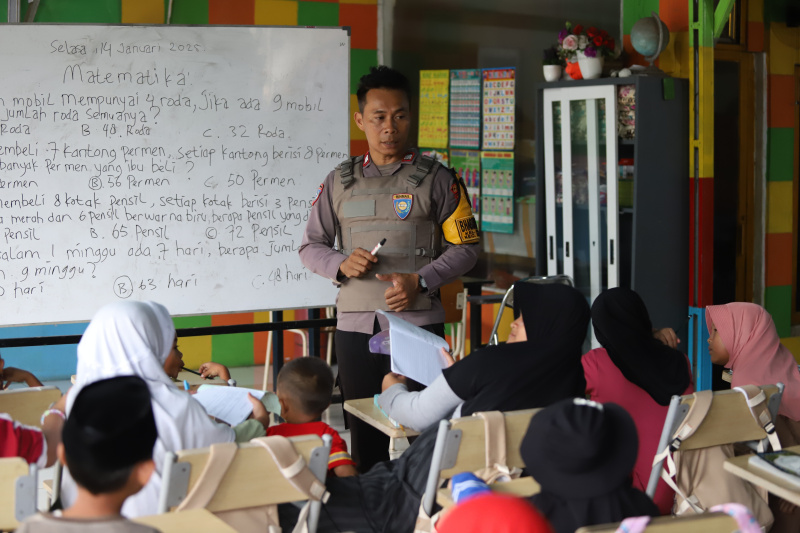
point(421, 209)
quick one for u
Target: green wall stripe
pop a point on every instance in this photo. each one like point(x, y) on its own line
point(633, 10)
point(778, 301)
point(780, 154)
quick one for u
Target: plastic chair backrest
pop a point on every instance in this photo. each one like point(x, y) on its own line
point(705, 523)
point(253, 478)
point(472, 448)
point(26, 405)
point(13, 471)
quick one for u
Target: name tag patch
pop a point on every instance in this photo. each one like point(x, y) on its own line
point(467, 229)
point(402, 204)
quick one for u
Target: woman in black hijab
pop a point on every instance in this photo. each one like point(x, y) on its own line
point(636, 371)
point(581, 454)
point(533, 373)
point(537, 365)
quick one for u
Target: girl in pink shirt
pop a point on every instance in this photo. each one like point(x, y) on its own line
point(637, 371)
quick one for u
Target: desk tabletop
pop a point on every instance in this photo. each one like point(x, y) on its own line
point(196, 521)
point(740, 467)
point(366, 410)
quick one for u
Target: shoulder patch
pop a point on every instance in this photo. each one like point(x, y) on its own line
point(454, 190)
point(461, 227)
point(319, 193)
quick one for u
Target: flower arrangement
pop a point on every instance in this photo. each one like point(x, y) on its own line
point(577, 41)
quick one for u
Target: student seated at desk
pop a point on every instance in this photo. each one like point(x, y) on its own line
point(304, 390)
point(636, 370)
point(174, 364)
point(36, 446)
point(581, 453)
point(108, 447)
point(535, 362)
point(742, 337)
point(523, 375)
point(10, 374)
point(136, 338)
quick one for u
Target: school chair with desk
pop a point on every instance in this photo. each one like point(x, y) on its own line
point(472, 444)
point(17, 492)
point(26, 405)
point(706, 421)
point(242, 484)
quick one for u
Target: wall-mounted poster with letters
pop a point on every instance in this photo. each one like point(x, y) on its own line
point(465, 108)
point(434, 97)
point(497, 192)
point(498, 108)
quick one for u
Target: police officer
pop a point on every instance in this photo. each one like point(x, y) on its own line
point(422, 210)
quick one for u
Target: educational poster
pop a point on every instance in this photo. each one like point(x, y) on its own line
point(440, 155)
point(434, 97)
point(498, 108)
point(497, 192)
point(468, 165)
point(465, 108)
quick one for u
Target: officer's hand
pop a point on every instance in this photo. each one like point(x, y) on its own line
point(358, 263)
point(403, 290)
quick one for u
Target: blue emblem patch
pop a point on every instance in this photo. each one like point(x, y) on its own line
point(402, 204)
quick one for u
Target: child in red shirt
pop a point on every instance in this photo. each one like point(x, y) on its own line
point(304, 389)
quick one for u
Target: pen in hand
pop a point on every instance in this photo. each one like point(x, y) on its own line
point(378, 246)
point(196, 373)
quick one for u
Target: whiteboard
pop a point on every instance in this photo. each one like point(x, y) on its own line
point(174, 164)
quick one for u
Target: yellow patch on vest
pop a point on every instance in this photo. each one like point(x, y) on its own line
point(461, 227)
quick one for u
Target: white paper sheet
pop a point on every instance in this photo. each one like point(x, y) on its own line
point(415, 351)
point(229, 404)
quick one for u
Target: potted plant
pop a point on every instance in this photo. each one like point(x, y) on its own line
point(584, 49)
point(552, 64)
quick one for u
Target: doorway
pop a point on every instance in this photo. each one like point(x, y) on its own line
point(733, 176)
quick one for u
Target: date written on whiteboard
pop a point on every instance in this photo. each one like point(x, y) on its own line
point(81, 48)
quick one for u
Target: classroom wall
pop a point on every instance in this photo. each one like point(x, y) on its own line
point(58, 362)
point(782, 45)
point(766, 32)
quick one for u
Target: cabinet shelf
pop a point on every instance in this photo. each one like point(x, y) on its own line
point(599, 245)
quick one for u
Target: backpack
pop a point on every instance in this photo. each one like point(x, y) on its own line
point(262, 518)
point(495, 467)
point(698, 476)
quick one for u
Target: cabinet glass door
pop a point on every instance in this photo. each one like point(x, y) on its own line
point(581, 186)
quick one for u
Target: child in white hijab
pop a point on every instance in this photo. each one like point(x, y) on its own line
point(135, 338)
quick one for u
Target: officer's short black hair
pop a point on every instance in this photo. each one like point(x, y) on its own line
point(381, 77)
point(309, 381)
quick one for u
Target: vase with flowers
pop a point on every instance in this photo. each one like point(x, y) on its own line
point(552, 64)
point(584, 50)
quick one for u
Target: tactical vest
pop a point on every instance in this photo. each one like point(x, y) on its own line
point(367, 213)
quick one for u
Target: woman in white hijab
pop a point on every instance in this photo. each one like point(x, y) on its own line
point(135, 338)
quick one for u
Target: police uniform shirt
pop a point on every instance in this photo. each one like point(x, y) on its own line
point(458, 256)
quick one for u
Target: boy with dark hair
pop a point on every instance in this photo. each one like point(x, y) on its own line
point(107, 444)
point(304, 389)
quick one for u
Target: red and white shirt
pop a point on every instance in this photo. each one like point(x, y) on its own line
point(17, 440)
point(339, 455)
